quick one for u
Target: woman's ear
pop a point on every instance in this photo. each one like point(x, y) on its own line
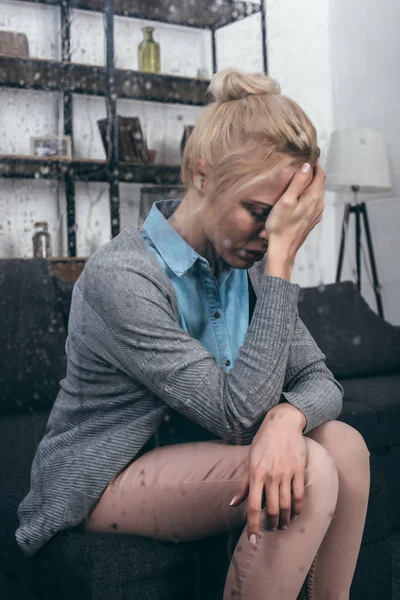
point(200, 173)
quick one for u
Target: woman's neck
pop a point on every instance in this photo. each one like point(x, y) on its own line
point(187, 220)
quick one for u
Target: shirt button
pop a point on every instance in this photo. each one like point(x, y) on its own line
point(217, 314)
point(227, 363)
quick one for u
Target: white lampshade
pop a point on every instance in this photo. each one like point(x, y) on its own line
point(357, 157)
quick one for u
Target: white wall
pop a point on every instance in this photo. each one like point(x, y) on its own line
point(365, 51)
point(299, 59)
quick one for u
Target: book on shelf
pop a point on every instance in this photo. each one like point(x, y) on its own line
point(132, 145)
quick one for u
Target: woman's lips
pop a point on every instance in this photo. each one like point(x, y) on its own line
point(248, 254)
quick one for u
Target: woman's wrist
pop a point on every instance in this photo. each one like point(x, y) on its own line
point(291, 414)
point(278, 263)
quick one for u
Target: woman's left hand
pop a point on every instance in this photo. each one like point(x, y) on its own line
point(276, 462)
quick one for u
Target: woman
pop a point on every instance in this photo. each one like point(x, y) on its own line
point(194, 319)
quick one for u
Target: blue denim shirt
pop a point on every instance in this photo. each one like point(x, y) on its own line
point(213, 311)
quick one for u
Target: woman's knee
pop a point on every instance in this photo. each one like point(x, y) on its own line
point(347, 449)
point(342, 441)
point(321, 470)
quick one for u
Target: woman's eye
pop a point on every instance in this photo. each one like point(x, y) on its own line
point(258, 215)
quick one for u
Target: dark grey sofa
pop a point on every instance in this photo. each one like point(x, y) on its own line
point(33, 322)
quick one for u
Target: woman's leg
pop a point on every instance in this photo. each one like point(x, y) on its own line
point(181, 493)
point(174, 493)
point(275, 568)
point(337, 556)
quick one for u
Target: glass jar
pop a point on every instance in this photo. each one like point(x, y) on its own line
point(149, 52)
point(41, 240)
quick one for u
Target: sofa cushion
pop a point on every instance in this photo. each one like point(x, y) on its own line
point(121, 567)
point(32, 337)
point(64, 297)
point(380, 394)
point(19, 437)
point(355, 340)
point(378, 523)
point(389, 466)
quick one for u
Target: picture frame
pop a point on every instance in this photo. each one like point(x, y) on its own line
point(152, 193)
point(50, 146)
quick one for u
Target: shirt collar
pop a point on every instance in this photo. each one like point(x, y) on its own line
point(173, 249)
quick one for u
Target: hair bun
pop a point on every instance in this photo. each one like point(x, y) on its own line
point(231, 84)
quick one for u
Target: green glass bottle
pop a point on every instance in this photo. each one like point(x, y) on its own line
point(149, 52)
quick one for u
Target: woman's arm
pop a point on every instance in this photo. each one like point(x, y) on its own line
point(309, 385)
point(125, 317)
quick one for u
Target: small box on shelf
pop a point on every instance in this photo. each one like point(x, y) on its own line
point(132, 145)
point(52, 146)
point(14, 44)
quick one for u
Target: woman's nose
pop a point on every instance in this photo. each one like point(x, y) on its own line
point(263, 235)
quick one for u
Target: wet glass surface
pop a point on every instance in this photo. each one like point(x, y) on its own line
point(88, 142)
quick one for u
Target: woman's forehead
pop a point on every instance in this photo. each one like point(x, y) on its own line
point(271, 188)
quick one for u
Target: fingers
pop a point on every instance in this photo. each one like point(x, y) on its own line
point(301, 180)
point(317, 185)
point(285, 503)
point(272, 506)
point(242, 494)
point(298, 493)
point(254, 509)
point(312, 199)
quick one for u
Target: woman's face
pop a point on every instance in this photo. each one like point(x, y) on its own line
point(235, 222)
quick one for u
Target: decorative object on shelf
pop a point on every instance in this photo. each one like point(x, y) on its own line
point(357, 161)
point(186, 135)
point(41, 240)
point(149, 52)
point(131, 142)
point(202, 74)
point(51, 145)
point(151, 194)
point(14, 44)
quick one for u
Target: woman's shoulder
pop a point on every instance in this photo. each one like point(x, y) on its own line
point(122, 266)
point(126, 253)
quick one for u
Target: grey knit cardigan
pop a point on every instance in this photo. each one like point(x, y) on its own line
point(129, 362)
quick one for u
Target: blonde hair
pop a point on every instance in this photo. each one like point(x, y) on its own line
point(247, 130)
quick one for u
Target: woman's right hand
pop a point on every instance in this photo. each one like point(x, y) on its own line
point(297, 212)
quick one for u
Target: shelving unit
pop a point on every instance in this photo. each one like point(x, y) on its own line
point(32, 167)
point(70, 78)
point(55, 76)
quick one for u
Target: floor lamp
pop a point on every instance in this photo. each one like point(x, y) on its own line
point(357, 162)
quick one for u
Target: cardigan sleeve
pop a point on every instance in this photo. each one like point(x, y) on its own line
point(130, 322)
point(309, 385)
